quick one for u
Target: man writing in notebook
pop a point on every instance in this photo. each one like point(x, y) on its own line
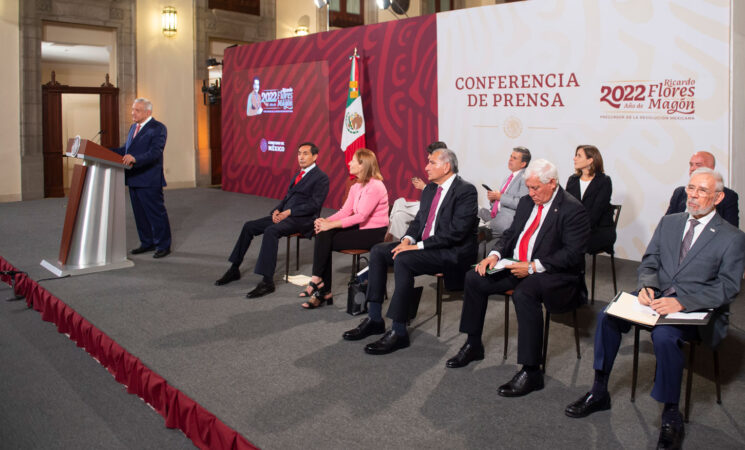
point(694, 261)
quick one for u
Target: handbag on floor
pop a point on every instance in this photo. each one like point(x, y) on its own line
point(357, 293)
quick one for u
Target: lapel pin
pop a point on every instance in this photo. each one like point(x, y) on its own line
point(712, 230)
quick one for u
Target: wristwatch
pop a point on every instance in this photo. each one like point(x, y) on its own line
point(530, 268)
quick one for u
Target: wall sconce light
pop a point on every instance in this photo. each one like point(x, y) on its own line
point(301, 31)
point(169, 21)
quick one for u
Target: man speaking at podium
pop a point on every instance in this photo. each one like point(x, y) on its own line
point(143, 153)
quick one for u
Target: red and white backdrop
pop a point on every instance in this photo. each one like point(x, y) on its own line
point(398, 83)
point(647, 82)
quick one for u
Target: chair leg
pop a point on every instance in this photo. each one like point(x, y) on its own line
point(716, 377)
point(355, 264)
point(613, 270)
point(287, 260)
point(636, 363)
point(689, 381)
point(592, 295)
point(576, 333)
point(545, 341)
point(506, 324)
point(297, 252)
point(440, 288)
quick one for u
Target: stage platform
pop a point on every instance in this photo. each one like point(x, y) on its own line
point(282, 377)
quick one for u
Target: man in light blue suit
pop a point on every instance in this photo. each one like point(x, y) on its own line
point(498, 217)
point(694, 261)
point(143, 153)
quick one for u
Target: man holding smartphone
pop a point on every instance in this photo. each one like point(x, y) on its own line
point(503, 202)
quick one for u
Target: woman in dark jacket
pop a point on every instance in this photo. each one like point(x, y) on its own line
point(593, 188)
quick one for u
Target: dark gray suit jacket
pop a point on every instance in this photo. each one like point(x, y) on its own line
point(708, 277)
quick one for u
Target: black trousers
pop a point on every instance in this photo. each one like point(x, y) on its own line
point(559, 292)
point(267, 261)
point(406, 266)
point(341, 239)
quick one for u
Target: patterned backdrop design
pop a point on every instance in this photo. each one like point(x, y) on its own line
point(398, 82)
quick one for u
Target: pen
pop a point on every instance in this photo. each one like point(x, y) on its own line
point(645, 287)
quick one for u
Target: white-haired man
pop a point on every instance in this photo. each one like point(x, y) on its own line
point(547, 240)
point(694, 262)
point(143, 153)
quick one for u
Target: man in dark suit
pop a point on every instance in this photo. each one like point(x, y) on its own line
point(294, 214)
point(143, 153)
point(694, 261)
point(440, 239)
point(728, 208)
point(547, 241)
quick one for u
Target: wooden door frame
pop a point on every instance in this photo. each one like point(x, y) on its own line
point(52, 144)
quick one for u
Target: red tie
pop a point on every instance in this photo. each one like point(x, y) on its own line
point(299, 177)
point(495, 208)
point(137, 130)
point(523, 249)
point(432, 212)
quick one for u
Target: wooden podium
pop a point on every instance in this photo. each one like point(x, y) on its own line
point(94, 233)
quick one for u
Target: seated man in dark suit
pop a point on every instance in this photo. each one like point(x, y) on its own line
point(294, 214)
point(440, 239)
point(727, 208)
point(547, 239)
point(694, 261)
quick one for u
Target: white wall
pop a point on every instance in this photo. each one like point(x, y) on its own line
point(75, 74)
point(10, 121)
point(737, 161)
point(81, 116)
point(291, 14)
point(62, 33)
point(165, 75)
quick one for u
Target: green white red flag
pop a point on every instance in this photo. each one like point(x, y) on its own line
point(353, 131)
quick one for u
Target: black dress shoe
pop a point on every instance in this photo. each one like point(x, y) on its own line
point(588, 404)
point(261, 289)
point(162, 253)
point(142, 249)
point(523, 383)
point(366, 328)
point(465, 355)
point(231, 275)
point(671, 436)
point(390, 342)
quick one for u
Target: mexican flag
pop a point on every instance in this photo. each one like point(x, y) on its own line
point(353, 131)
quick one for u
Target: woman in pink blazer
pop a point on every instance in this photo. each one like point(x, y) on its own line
point(361, 223)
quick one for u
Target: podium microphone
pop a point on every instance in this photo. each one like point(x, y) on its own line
point(100, 132)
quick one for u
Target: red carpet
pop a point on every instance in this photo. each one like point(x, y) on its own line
point(178, 410)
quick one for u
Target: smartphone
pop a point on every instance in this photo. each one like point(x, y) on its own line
point(486, 187)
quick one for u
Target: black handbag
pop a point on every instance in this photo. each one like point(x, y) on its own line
point(357, 294)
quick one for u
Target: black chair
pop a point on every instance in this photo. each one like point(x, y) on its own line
point(297, 237)
point(440, 291)
point(689, 380)
point(609, 250)
point(547, 322)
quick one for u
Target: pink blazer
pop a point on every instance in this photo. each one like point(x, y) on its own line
point(366, 206)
